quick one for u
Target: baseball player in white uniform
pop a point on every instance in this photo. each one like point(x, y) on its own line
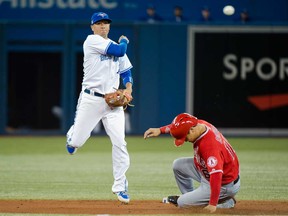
point(105, 62)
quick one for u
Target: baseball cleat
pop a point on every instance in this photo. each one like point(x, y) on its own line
point(173, 200)
point(123, 197)
point(71, 150)
point(228, 204)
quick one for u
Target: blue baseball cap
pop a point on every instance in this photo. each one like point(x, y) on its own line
point(96, 17)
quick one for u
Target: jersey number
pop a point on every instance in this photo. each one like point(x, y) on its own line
point(206, 174)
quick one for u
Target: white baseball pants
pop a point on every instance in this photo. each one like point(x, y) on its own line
point(90, 110)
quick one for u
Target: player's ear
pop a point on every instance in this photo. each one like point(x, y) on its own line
point(192, 129)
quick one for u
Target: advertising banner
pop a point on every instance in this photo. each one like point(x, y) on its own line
point(238, 77)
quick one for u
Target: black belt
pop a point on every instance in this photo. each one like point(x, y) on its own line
point(93, 93)
point(235, 182)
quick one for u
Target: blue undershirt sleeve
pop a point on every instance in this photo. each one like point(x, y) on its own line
point(117, 50)
point(127, 77)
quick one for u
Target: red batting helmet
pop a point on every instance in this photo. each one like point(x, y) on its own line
point(181, 126)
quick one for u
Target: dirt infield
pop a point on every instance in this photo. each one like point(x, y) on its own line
point(243, 207)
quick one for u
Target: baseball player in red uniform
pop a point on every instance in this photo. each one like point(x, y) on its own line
point(215, 164)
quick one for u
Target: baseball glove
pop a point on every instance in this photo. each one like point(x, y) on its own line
point(118, 99)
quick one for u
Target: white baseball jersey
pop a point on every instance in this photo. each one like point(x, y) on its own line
point(96, 61)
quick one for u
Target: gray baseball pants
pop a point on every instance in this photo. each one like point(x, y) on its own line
point(186, 173)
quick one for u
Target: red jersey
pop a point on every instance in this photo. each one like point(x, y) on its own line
point(213, 153)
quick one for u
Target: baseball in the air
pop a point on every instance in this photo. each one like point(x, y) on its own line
point(228, 10)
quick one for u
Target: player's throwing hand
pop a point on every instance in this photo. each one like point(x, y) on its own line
point(123, 37)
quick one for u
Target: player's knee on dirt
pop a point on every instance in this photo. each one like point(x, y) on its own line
point(184, 202)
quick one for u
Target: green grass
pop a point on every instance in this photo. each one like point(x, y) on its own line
point(40, 168)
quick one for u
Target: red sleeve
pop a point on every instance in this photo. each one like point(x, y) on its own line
point(215, 187)
point(165, 129)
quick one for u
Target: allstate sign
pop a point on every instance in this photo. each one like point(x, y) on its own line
point(79, 10)
point(60, 4)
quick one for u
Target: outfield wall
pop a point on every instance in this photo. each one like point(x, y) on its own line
point(177, 68)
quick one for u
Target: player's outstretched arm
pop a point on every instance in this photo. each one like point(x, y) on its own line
point(152, 132)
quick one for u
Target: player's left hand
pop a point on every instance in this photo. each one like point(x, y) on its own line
point(152, 132)
point(118, 98)
point(210, 208)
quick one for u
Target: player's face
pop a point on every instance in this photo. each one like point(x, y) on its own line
point(189, 136)
point(192, 135)
point(101, 28)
